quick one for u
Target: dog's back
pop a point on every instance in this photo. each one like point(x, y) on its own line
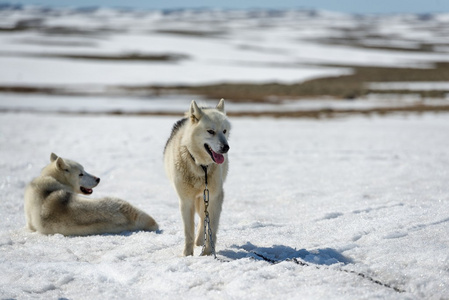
point(172, 148)
point(175, 132)
point(38, 204)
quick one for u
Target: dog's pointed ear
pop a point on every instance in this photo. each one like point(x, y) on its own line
point(60, 164)
point(220, 106)
point(53, 157)
point(195, 112)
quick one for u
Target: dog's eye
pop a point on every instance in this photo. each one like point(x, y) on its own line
point(211, 132)
point(224, 131)
point(67, 170)
point(81, 175)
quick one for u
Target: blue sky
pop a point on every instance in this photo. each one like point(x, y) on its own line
point(349, 6)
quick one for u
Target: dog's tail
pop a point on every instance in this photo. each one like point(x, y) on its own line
point(138, 219)
point(146, 222)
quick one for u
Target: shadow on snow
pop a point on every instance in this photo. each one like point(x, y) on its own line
point(279, 253)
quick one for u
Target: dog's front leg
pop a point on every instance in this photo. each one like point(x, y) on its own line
point(187, 212)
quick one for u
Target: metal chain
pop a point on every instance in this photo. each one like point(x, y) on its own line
point(207, 227)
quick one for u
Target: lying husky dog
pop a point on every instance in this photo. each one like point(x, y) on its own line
point(197, 142)
point(53, 206)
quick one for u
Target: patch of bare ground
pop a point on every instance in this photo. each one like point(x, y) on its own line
point(350, 86)
point(38, 25)
point(164, 57)
point(29, 90)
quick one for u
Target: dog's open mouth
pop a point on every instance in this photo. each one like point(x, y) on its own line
point(86, 191)
point(216, 157)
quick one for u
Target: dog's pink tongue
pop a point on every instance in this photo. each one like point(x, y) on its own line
point(218, 158)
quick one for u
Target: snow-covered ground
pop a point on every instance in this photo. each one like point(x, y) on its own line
point(363, 202)
point(217, 46)
point(349, 208)
point(65, 49)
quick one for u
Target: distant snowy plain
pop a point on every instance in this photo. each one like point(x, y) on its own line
point(358, 200)
point(343, 208)
point(218, 46)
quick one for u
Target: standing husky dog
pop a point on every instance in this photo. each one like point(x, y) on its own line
point(53, 206)
point(198, 141)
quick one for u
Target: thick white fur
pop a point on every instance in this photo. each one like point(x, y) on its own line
point(52, 204)
point(183, 156)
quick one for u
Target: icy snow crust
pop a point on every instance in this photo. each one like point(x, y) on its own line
point(345, 196)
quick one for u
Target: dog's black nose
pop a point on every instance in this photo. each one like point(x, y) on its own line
point(225, 148)
point(97, 180)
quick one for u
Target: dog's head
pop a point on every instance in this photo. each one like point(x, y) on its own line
point(210, 131)
point(72, 174)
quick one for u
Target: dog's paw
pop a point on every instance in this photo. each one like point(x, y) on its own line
point(188, 252)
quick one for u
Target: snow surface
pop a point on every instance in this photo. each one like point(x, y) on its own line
point(357, 199)
point(360, 203)
point(220, 46)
